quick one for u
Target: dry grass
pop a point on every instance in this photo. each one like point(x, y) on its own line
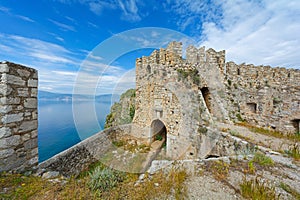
point(219, 169)
point(290, 190)
point(257, 189)
point(160, 185)
point(268, 132)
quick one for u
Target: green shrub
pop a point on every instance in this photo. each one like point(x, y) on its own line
point(104, 179)
point(262, 159)
point(159, 137)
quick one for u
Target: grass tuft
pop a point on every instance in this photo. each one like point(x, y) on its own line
point(257, 189)
point(262, 160)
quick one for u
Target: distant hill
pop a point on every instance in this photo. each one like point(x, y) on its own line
point(49, 96)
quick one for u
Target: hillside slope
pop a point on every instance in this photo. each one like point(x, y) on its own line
point(123, 111)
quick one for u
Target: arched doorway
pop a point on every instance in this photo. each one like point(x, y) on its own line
point(158, 131)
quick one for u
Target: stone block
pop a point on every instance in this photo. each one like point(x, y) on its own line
point(5, 109)
point(10, 100)
point(23, 73)
point(25, 137)
point(28, 126)
point(34, 152)
point(32, 83)
point(23, 92)
point(35, 75)
point(11, 79)
point(5, 132)
point(6, 153)
point(6, 119)
point(4, 68)
point(34, 92)
point(30, 103)
point(33, 161)
point(34, 115)
point(30, 144)
point(10, 141)
point(5, 89)
point(34, 134)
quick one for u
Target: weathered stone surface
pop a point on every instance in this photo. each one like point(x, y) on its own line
point(10, 100)
point(30, 144)
point(11, 141)
point(32, 83)
point(3, 68)
point(12, 79)
point(51, 174)
point(34, 92)
point(5, 89)
point(34, 152)
point(18, 114)
point(6, 153)
point(25, 137)
point(23, 73)
point(5, 109)
point(33, 161)
point(9, 118)
point(34, 134)
point(28, 126)
point(5, 132)
point(23, 92)
point(30, 103)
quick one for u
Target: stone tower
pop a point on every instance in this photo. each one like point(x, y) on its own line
point(184, 97)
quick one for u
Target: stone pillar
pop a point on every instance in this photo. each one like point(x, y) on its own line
point(18, 117)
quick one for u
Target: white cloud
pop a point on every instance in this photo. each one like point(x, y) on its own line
point(7, 11)
point(130, 10)
point(259, 32)
point(63, 27)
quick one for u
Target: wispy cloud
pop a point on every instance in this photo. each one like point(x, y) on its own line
point(8, 12)
point(63, 27)
point(60, 69)
point(130, 10)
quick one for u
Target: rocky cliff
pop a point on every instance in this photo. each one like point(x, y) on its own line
point(123, 111)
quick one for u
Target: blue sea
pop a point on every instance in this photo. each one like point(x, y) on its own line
point(57, 130)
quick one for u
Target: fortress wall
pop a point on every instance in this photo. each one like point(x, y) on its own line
point(18, 117)
point(264, 96)
point(74, 160)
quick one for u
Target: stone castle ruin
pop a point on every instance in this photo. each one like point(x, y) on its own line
point(183, 98)
point(178, 100)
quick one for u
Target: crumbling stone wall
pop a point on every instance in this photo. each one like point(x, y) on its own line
point(264, 96)
point(187, 95)
point(18, 117)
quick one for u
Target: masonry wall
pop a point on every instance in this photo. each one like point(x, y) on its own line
point(18, 117)
point(187, 95)
point(264, 96)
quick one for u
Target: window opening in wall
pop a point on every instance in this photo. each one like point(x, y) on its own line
point(296, 124)
point(207, 98)
point(252, 107)
point(238, 72)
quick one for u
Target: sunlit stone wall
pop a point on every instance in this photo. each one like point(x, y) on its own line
point(18, 117)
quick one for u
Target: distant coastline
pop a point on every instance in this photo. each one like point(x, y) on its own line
point(50, 96)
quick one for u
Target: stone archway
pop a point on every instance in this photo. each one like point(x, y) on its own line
point(158, 131)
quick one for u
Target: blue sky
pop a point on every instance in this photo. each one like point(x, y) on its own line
point(69, 41)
